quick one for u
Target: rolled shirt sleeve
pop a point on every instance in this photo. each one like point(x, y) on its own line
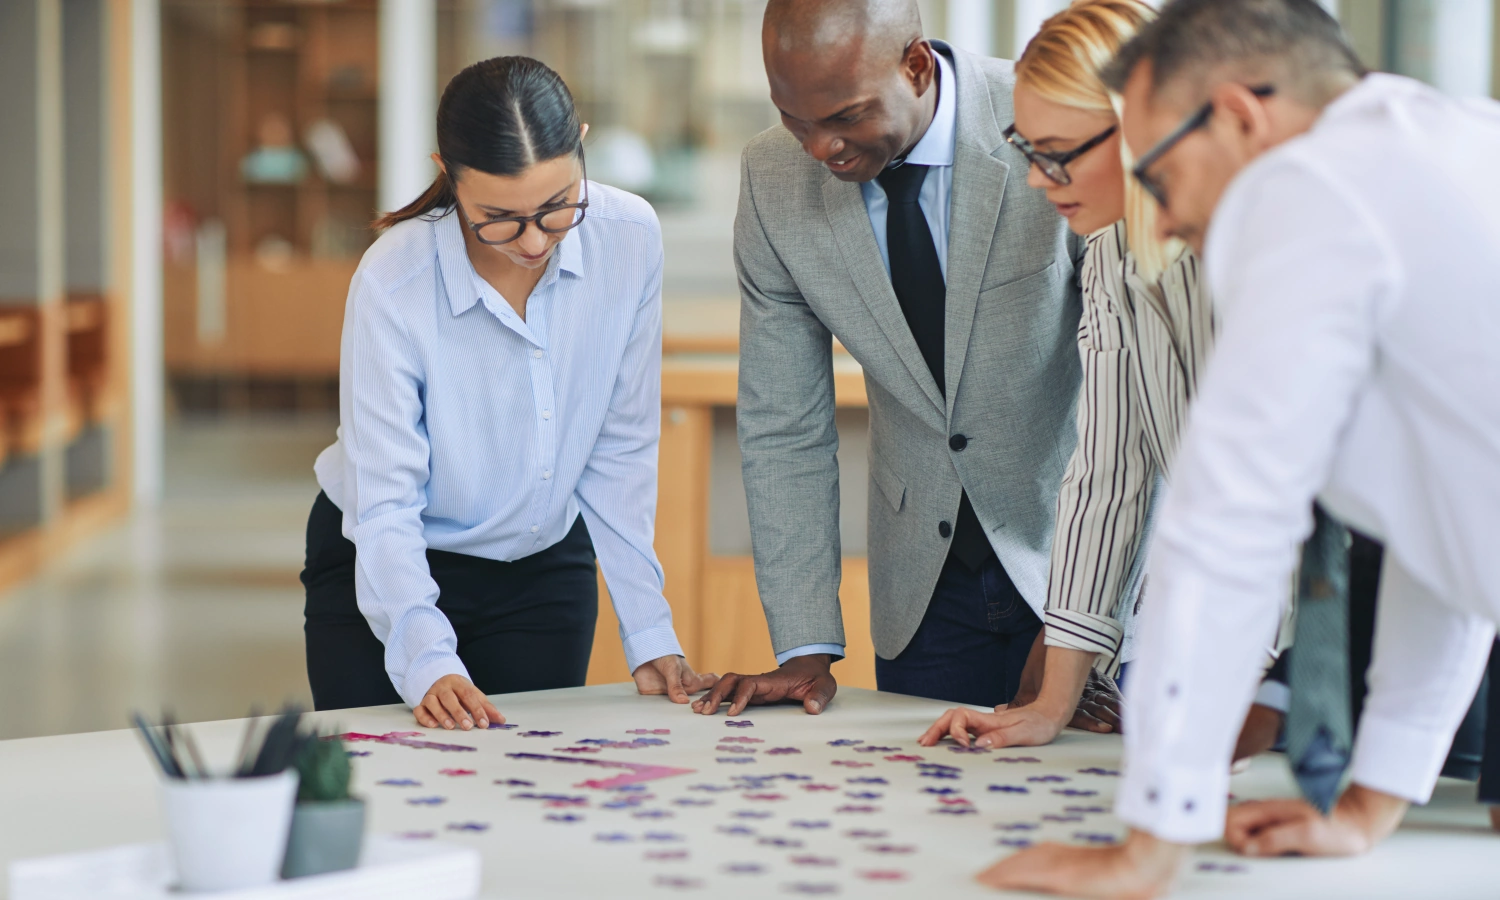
point(1299, 271)
point(617, 490)
point(1105, 497)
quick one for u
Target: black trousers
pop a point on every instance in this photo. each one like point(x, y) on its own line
point(526, 625)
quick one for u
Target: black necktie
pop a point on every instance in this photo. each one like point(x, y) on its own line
point(917, 277)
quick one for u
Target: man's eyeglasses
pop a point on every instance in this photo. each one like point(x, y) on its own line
point(1164, 146)
point(1054, 165)
point(554, 220)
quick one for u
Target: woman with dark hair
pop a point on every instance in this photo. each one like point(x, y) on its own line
point(499, 408)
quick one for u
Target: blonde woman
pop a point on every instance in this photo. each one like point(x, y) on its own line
point(1144, 338)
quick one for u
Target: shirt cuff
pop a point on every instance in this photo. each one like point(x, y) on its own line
point(1089, 632)
point(1177, 805)
point(652, 643)
point(1394, 758)
point(834, 650)
point(418, 681)
point(1275, 695)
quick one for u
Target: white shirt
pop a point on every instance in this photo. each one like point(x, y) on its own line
point(464, 428)
point(935, 149)
point(1357, 275)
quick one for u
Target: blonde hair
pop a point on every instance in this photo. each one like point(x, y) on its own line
point(1064, 63)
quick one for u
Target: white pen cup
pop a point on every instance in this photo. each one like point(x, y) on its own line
point(228, 833)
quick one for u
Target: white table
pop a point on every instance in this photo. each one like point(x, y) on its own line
point(86, 791)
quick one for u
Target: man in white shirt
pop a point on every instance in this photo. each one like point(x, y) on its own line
point(1350, 226)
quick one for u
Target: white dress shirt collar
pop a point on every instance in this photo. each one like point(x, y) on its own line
point(936, 146)
point(465, 287)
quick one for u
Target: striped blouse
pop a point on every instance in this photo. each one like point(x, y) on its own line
point(1143, 346)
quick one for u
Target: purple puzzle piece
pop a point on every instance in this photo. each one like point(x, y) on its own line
point(665, 855)
point(1017, 826)
point(865, 834)
point(1095, 770)
point(811, 860)
point(749, 868)
point(735, 759)
point(693, 801)
point(468, 826)
point(751, 814)
point(400, 782)
point(870, 779)
point(851, 808)
point(1085, 809)
point(501, 726)
point(1010, 789)
point(564, 817)
point(427, 801)
point(1047, 779)
point(863, 795)
point(940, 791)
point(784, 843)
point(1018, 843)
point(1054, 817)
point(808, 824)
point(1094, 837)
point(1074, 792)
point(956, 810)
point(515, 782)
point(736, 829)
point(739, 723)
point(653, 814)
point(357, 752)
point(890, 849)
point(782, 751)
point(662, 836)
point(844, 742)
point(711, 788)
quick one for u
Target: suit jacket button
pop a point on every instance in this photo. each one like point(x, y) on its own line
point(944, 529)
point(957, 442)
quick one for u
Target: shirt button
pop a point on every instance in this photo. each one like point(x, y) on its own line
point(546, 413)
point(537, 354)
point(944, 529)
point(957, 442)
point(535, 529)
point(547, 474)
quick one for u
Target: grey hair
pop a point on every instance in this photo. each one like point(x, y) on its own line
point(1295, 44)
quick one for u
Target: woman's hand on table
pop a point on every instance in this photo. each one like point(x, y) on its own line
point(671, 675)
point(454, 702)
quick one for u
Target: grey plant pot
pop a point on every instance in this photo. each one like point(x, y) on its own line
point(325, 837)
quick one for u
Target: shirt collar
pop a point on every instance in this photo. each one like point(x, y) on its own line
point(937, 145)
point(464, 286)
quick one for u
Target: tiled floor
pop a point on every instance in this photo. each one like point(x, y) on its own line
point(195, 608)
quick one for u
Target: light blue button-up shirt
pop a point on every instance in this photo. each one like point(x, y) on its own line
point(465, 428)
point(935, 149)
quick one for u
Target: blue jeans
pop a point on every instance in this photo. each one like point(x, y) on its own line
point(972, 643)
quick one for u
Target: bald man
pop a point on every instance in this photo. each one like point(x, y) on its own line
point(887, 210)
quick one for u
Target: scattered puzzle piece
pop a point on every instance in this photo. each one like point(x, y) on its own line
point(1010, 788)
point(400, 782)
point(427, 801)
point(735, 759)
point(665, 855)
point(1092, 837)
point(957, 749)
point(735, 829)
point(869, 779)
point(1017, 826)
point(863, 834)
point(1095, 770)
point(848, 808)
point(501, 726)
point(740, 739)
point(400, 738)
point(805, 887)
point(457, 773)
point(1017, 759)
point(890, 849)
point(649, 731)
point(844, 743)
point(564, 817)
point(735, 749)
point(782, 751)
point(653, 814)
point(663, 836)
point(852, 764)
point(739, 723)
point(903, 757)
point(820, 787)
point(751, 814)
point(1074, 792)
point(821, 861)
point(808, 824)
point(540, 733)
point(711, 788)
point(468, 826)
point(1047, 779)
point(954, 801)
point(1085, 809)
point(515, 782)
point(784, 843)
point(882, 875)
point(1018, 843)
point(693, 801)
point(1054, 817)
point(357, 752)
point(863, 795)
point(940, 791)
point(956, 810)
point(871, 748)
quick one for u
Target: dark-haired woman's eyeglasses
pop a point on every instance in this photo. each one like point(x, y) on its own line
point(1054, 165)
point(558, 219)
point(1189, 125)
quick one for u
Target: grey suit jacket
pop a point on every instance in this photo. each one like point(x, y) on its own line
point(809, 268)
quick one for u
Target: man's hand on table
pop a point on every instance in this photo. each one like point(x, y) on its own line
point(671, 675)
point(803, 679)
point(1361, 819)
point(1141, 867)
point(454, 702)
point(1065, 691)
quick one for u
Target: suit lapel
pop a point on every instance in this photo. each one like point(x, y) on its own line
point(979, 178)
point(851, 230)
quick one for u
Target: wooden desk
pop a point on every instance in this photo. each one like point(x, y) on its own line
point(715, 605)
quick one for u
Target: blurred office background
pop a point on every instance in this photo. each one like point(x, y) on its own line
point(188, 186)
